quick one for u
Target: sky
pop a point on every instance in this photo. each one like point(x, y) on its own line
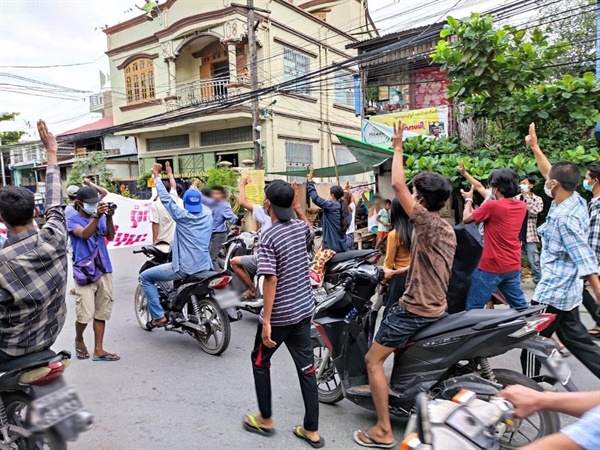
point(49, 32)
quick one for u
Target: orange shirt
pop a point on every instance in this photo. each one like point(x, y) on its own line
point(396, 256)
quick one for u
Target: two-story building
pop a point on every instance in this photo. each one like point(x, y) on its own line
point(197, 54)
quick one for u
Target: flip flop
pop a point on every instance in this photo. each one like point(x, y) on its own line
point(254, 427)
point(594, 332)
point(374, 443)
point(152, 324)
point(85, 354)
point(318, 444)
point(107, 357)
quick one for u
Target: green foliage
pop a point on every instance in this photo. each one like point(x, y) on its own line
point(93, 166)
point(10, 137)
point(222, 176)
point(142, 181)
point(372, 93)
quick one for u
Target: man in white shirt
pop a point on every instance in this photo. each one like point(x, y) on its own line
point(245, 266)
point(163, 226)
point(352, 207)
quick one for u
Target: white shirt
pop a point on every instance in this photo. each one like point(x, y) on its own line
point(160, 215)
point(259, 214)
point(352, 226)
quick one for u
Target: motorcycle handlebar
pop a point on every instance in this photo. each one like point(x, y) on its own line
point(135, 252)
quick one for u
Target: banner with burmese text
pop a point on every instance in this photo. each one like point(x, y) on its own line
point(132, 222)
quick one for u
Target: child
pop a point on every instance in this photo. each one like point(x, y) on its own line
point(287, 311)
point(383, 219)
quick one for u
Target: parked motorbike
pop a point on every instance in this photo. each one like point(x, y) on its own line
point(465, 423)
point(443, 358)
point(194, 305)
point(37, 408)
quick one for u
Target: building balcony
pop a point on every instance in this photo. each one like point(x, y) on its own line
point(203, 92)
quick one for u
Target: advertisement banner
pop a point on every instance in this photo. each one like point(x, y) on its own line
point(255, 189)
point(432, 122)
point(131, 219)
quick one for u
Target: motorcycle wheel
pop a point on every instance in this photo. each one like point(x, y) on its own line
point(534, 427)
point(142, 313)
point(215, 339)
point(329, 385)
point(16, 406)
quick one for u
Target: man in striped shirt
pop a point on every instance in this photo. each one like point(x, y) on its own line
point(288, 307)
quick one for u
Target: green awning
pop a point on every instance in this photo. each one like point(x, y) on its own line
point(327, 172)
point(367, 155)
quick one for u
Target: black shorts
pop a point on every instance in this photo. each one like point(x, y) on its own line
point(399, 326)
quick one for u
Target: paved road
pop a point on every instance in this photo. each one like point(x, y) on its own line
point(166, 393)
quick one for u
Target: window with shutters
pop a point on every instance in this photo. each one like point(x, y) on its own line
point(344, 88)
point(295, 64)
point(168, 143)
point(298, 156)
point(139, 80)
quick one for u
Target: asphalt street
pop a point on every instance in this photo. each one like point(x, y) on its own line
point(166, 392)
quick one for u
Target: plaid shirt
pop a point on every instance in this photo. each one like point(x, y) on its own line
point(33, 279)
point(594, 238)
point(566, 255)
point(535, 205)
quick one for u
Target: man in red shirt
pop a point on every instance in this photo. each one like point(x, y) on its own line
point(500, 266)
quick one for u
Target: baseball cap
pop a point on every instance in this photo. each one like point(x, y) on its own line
point(281, 196)
point(72, 190)
point(87, 194)
point(192, 201)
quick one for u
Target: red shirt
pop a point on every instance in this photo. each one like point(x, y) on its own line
point(502, 221)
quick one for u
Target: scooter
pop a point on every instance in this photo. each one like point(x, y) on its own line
point(37, 408)
point(194, 305)
point(442, 359)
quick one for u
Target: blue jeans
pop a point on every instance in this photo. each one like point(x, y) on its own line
point(483, 285)
point(533, 257)
point(164, 272)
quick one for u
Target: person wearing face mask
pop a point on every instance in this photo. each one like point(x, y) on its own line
point(591, 183)
point(89, 230)
point(245, 267)
point(500, 264)
point(567, 260)
point(535, 205)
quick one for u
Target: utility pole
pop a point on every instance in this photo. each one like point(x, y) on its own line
point(254, 85)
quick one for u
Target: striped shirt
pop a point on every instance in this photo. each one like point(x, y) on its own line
point(594, 238)
point(33, 279)
point(586, 431)
point(282, 252)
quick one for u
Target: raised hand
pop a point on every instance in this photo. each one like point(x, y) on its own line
point(86, 181)
point(531, 139)
point(156, 169)
point(168, 168)
point(461, 168)
point(47, 138)
point(311, 174)
point(244, 181)
point(398, 135)
point(348, 188)
point(467, 194)
point(295, 202)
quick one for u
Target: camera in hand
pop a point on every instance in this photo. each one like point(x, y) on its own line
point(112, 206)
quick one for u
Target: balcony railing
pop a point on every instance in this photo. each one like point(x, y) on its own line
point(204, 92)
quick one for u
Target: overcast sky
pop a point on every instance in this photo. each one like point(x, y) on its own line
point(48, 32)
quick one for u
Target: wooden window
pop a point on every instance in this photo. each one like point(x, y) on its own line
point(139, 80)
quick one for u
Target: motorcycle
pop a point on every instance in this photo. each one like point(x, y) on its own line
point(37, 408)
point(466, 422)
point(441, 359)
point(194, 305)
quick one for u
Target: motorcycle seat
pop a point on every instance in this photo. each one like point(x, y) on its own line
point(200, 277)
point(27, 361)
point(463, 320)
point(352, 254)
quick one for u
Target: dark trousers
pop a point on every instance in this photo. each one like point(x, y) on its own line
point(216, 241)
point(297, 340)
point(396, 288)
point(590, 305)
point(573, 335)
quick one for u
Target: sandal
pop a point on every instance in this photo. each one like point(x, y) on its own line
point(373, 443)
point(81, 354)
point(109, 357)
point(254, 427)
point(156, 323)
point(314, 444)
point(595, 332)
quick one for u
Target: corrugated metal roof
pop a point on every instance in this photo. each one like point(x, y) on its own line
point(106, 122)
point(394, 36)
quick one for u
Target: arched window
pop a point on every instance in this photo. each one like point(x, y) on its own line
point(139, 80)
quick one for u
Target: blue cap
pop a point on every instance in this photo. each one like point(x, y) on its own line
point(192, 201)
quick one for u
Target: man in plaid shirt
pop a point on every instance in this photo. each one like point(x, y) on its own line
point(591, 183)
point(567, 259)
point(33, 265)
point(535, 205)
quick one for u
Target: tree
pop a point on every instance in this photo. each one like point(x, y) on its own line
point(92, 165)
point(10, 137)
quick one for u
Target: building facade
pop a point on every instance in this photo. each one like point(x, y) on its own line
point(195, 54)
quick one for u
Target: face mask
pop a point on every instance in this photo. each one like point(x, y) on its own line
point(524, 188)
point(90, 208)
point(490, 194)
point(587, 186)
point(547, 191)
